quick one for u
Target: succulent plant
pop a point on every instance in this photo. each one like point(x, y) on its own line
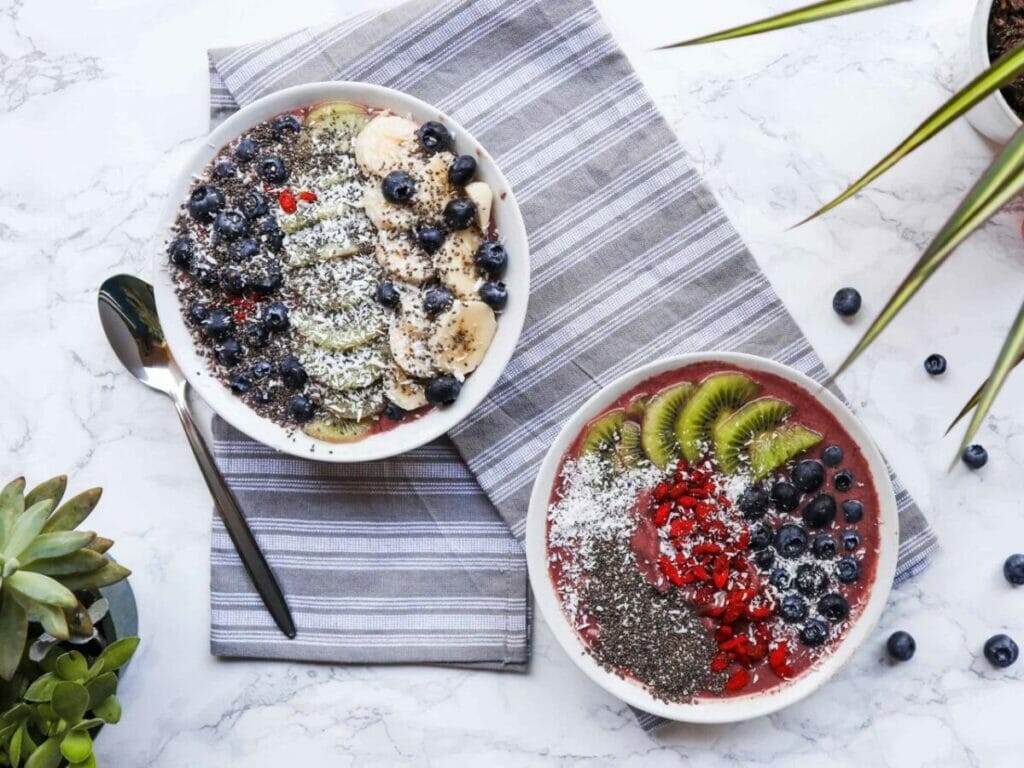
point(44, 561)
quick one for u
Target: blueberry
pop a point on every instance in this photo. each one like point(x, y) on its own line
point(765, 559)
point(1013, 569)
point(834, 607)
point(430, 238)
point(292, 373)
point(832, 456)
point(206, 277)
point(435, 137)
point(780, 578)
point(197, 313)
point(843, 481)
point(848, 570)
point(231, 225)
point(398, 187)
point(820, 511)
point(851, 540)
point(494, 295)
point(218, 323)
point(276, 317)
point(1001, 651)
point(244, 249)
point(813, 632)
point(240, 383)
point(180, 251)
point(273, 170)
point(204, 202)
point(793, 608)
point(262, 368)
point(232, 281)
point(263, 396)
point(808, 475)
point(459, 213)
point(246, 149)
point(975, 456)
point(271, 233)
point(387, 295)
point(846, 302)
point(437, 299)
point(791, 540)
point(811, 579)
point(224, 169)
point(935, 365)
point(824, 546)
point(283, 125)
point(753, 503)
point(462, 169)
point(394, 412)
point(268, 283)
point(901, 645)
point(254, 204)
point(491, 257)
point(443, 390)
point(853, 510)
point(228, 352)
point(300, 408)
point(761, 536)
point(785, 497)
point(256, 334)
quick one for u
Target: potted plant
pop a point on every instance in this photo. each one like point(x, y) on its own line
point(990, 32)
point(60, 654)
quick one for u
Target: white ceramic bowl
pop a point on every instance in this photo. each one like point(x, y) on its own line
point(992, 117)
point(723, 710)
point(408, 435)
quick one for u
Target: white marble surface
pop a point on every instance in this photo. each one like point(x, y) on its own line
point(101, 99)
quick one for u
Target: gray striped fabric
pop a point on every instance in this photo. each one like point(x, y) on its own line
point(632, 259)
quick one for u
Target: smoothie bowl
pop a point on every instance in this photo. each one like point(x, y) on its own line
point(712, 536)
point(346, 272)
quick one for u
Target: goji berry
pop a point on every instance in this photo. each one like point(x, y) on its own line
point(309, 197)
point(719, 662)
point(737, 680)
point(670, 571)
point(286, 200)
point(662, 513)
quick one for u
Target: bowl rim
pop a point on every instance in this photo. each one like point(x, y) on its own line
point(404, 437)
point(731, 709)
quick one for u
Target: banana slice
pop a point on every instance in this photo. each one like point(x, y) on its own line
point(461, 337)
point(454, 263)
point(387, 143)
point(404, 391)
point(433, 190)
point(410, 345)
point(480, 193)
point(401, 257)
point(385, 215)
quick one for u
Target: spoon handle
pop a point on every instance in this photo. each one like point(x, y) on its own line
point(227, 505)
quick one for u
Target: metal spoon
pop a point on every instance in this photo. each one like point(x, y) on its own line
point(128, 314)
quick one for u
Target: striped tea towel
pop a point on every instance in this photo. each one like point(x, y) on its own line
point(632, 260)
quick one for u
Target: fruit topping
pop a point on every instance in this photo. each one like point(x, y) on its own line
point(811, 579)
point(197, 313)
point(853, 510)
point(262, 368)
point(832, 456)
point(398, 187)
point(437, 299)
point(180, 251)
point(491, 257)
point(820, 511)
point(228, 352)
point(823, 546)
point(901, 645)
point(975, 457)
point(713, 401)
point(240, 383)
point(300, 408)
point(761, 536)
point(232, 281)
point(276, 317)
point(430, 239)
point(394, 412)
point(387, 295)
point(814, 632)
point(834, 607)
point(658, 430)
point(243, 250)
point(602, 434)
point(848, 570)
point(771, 450)
point(225, 169)
point(793, 608)
point(784, 496)
point(753, 502)
point(1001, 650)
point(842, 481)
point(462, 169)
point(284, 125)
point(733, 436)
point(246, 149)
point(273, 170)
point(218, 323)
point(459, 213)
point(256, 334)
point(254, 204)
point(494, 295)
point(443, 390)
point(292, 373)
point(204, 203)
point(780, 579)
point(935, 365)
point(851, 540)
point(808, 475)
point(791, 540)
point(1013, 569)
point(846, 302)
point(434, 137)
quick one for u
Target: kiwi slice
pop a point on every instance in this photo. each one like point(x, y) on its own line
point(755, 418)
point(337, 120)
point(771, 450)
point(602, 434)
point(637, 406)
point(337, 430)
point(717, 397)
point(630, 453)
point(657, 430)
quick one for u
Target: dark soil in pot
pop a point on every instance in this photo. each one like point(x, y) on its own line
point(1006, 32)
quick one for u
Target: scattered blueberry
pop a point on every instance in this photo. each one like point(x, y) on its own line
point(935, 365)
point(824, 546)
point(813, 632)
point(240, 383)
point(262, 368)
point(461, 171)
point(435, 137)
point(834, 607)
point(846, 302)
point(832, 456)
point(218, 323)
point(848, 570)
point(387, 295)
point(231, 225)
point(437, 299)
point(853, 510)
point(780, 578)
point(256, 334)
point(820, 511)
point(225, 169)
point(975, 456)
point(1001, 650)
point(808, 475)
point(254, 204)
point(430, 238)
point(292, 373)
point(785, 497)
point(206, 277)
point(180, 251)
point(246, 149)
point(761, 536)
point(791, 540)
point(459, 213)
point(851, 540)
point(244, 249)
point(204, 202)
point(765, 559)
point(793, 608)
point(811, 580)
point(901, 645)
point(753, 503)
point(228, 352)
point(263, 396)
point(843, 481)
point(1013, 569)
point(232, 281)
point(300, 408)
point(273, 170)
point(197, 313)
point(494, 295)
point(276, 317)
point(491, 257)
point(394, 412)
point(268, 283)
point(443, 390)
point(398, 187)
point(272, 234)
point(285, 124)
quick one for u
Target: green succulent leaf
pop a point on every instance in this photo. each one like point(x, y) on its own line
point(101, 689)
point(53, 620)
point(89, 762)
point(26, 527)
point(118, 653)
point(76, 746)
point(14, 749)
point(13, 633)
point(815, 12)
point(72, 666)
point(111, 573)
point(40, 588)
point(100, 545)
point(109, 710)
point(46, 755)
point(52, 489)
point(41, 688)
point(56, 544)
point(69, 701)
point(12, 499)
point(82, 561)
point(1003, 180)
point(73, 512)
point(88, 724)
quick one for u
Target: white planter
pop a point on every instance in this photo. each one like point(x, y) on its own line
point(993, 117)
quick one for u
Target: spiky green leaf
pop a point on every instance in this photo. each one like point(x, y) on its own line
point(58, 544)
point(26, 527)
point(970, 405)
point(41, 589)
point(74, 511)
point(13, 633)
point(111, 573)
point(83, 561)
point(119, 653)
point(52, 489)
